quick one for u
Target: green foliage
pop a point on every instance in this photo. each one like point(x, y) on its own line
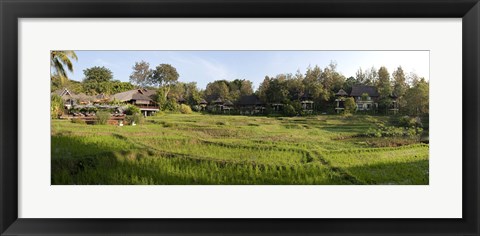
point(56, 106)
point(196, 108)
point(410, 122)
point(102, 117)
point(289, 110)
point(365, 97)
point(164, 75)
point(97, 74)
point(350, 105)
point(185, 109)
point(141, 75)
point(135, 118)
point(132, 109)
point(217, 89)
point(392, 131)
point(171, 105)
point(58, 61)
point(417, 98)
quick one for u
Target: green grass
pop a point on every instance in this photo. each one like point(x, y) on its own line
point(216, 149)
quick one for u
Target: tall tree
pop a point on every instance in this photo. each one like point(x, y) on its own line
point(97, 74)
point(417, 98)
point(360, 76)
point(384, 88)
point(59, 59)
point(331, 79)
point(141, 74)
point(371, 76)
point(217, 89)
point(400, 86)
point(164, 76)
point(263, 88)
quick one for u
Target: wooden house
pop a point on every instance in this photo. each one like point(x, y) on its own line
point(203, 104)
point(67, 97)
point(250, 104)
point(366, 97)
point(340, 97)
point(142, 98)
point(307, 103)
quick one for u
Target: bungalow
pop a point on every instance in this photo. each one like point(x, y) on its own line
point(203, 104)
point(366, 97)
point(67, 97)
point(142, 98)
point(340, 100)
point(307, 103)
point(250, 104)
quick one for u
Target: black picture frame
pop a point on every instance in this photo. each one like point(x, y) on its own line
point(12, 10)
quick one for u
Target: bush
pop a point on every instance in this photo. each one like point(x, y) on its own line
point(132, 109)
point(410, 122)
point(196, 108)
point(102, 117)
point(392, 131)
point(289, 110)
point(185, 109)
point(136, 118)
point(171, 105)
point(350, 105)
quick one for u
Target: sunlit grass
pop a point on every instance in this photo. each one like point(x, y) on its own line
point(216, 149)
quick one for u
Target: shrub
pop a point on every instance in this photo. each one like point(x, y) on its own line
point(350, 105)
point(185, 109)
point(171, 105)
point(131, 109)
point(412, 122)
point(196, 108)
point(136, 118)
point(102, 117)
point(289, 110)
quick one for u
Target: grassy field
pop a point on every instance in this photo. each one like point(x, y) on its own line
point(215, 149)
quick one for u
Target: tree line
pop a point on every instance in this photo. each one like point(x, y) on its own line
point(318, 84)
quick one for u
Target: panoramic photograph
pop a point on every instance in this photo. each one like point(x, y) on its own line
point(239, 117)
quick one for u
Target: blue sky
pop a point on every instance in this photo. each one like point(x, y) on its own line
point(206, 66)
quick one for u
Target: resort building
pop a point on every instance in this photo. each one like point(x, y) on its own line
point(142, 98)
point(250, 104)
point(366, 97)
point(341, 95)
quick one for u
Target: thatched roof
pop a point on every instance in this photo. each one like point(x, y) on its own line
point(358, 90)
point(228, 103)
point(101, 96)
point(135, 94)
point(341, 92)
point(203, 102)
point(62, 92)
point(84, 98)
point(218, 101)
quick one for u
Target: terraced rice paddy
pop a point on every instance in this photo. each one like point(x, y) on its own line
point(216, 149)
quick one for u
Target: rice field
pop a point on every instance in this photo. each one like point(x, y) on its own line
point(192, 149)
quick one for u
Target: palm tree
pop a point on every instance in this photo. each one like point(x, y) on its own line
point(59, 59)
